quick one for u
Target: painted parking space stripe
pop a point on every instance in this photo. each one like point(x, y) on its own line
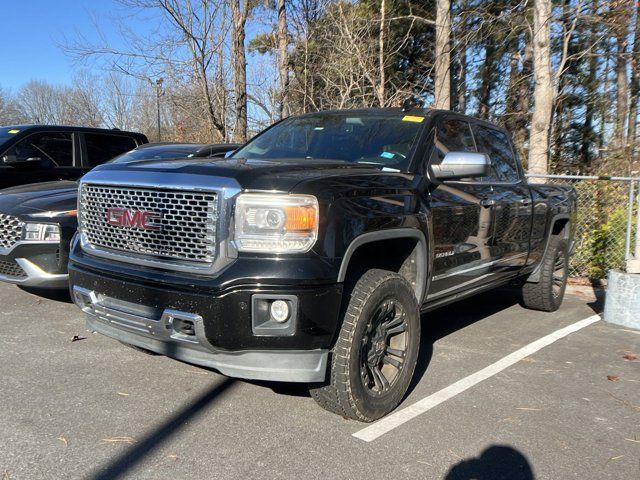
point(385, 425)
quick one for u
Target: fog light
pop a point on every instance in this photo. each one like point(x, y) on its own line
point(280, 311)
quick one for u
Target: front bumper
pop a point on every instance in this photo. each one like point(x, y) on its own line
point(35, 265)
point(114, 319)
point(222, 335)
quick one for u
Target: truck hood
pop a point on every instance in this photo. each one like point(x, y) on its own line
point(269, 174)
point(39, 197)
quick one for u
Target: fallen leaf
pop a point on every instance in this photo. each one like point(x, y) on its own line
point(630, 357)
point(613, 378)
point(529, 409)
point(632, 440)
point(77, 338)
point(123, 394)
point(5, 475)
point(617, 458)
point(39, 301)
point(129, 440)
point(64, 440)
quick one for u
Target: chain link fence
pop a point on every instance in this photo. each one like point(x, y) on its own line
point(606, 224)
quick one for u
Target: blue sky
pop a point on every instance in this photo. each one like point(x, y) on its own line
point(31, 30)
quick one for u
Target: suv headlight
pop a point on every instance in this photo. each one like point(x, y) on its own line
point(41, 232)
point(274, 223)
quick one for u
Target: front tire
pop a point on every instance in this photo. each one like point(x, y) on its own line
point(376, 352)
point(547, 294)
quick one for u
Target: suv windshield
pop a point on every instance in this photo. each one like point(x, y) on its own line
point(382, 140)
point(6, 133)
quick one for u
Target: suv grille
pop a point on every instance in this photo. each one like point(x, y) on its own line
point(10, 231)
point(11, 269)
point(183, 228)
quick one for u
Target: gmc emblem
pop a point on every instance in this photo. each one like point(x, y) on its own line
point(121, 217)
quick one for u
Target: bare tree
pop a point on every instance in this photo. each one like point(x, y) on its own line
point(543, 92)
point(239, 14)
point(183, 50)
point(283, 59)
point(635, 85)
point(442, 77)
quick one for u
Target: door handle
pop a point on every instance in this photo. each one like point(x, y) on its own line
point(488, 202)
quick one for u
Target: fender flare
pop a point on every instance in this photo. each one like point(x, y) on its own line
point(392, 234)
point(534, 277)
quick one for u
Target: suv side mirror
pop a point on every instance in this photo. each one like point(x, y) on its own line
point(456, 165)
point(229, 153)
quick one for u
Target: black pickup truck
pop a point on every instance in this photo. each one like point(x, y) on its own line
point(310, 253)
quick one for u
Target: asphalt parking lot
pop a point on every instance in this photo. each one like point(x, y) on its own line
point(93, 408)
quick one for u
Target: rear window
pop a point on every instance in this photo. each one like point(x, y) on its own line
point(103, 147)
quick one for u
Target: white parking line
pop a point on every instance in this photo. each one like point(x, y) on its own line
point(399, 417)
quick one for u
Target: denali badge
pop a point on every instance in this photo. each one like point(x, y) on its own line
point(121, 217)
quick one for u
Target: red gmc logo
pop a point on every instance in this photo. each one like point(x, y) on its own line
point(121, 217)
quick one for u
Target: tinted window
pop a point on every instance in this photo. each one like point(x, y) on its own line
point(496, 144)
point(382, 140)
point(56, 147)
point(101, 147)
point(452, 136)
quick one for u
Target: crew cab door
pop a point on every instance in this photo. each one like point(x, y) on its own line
point(511, 198)
point(462, 217)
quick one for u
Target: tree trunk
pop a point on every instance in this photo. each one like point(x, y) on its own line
point(381, 63)
point(239, 17)
point(634, 87)
point(442, 80)
point(486, 79)
point(591, 87)
point(622, 91)
point(283, 59)
point(543, 93)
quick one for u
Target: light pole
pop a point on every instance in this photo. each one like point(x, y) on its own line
point(159, 93)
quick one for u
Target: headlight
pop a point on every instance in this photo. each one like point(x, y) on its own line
point(273, 223)
point(41, 232)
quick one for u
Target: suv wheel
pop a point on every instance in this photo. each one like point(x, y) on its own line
point(547, 294)
point(376, 352)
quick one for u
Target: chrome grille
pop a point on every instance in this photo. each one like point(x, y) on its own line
point(186, 221)
point(10, 231)
point(11, 269)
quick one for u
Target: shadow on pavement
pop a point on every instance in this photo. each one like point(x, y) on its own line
point(498, 462)
point(444, 321)
point(122, 464)
point(59, 295)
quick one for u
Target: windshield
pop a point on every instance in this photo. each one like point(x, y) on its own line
point(159, 152)
point(382, 140)
point(6, 133)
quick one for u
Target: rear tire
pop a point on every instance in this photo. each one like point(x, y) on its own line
point(547, 294)
point(376, 352)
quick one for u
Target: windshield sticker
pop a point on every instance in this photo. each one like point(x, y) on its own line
point(411, 118)
point(14, 131)
point(387, 155)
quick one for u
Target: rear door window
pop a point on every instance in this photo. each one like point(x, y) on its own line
point(102, 147)
point(497, 146)
point(50, 146)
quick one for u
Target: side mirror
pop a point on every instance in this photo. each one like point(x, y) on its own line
point(457, 165)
